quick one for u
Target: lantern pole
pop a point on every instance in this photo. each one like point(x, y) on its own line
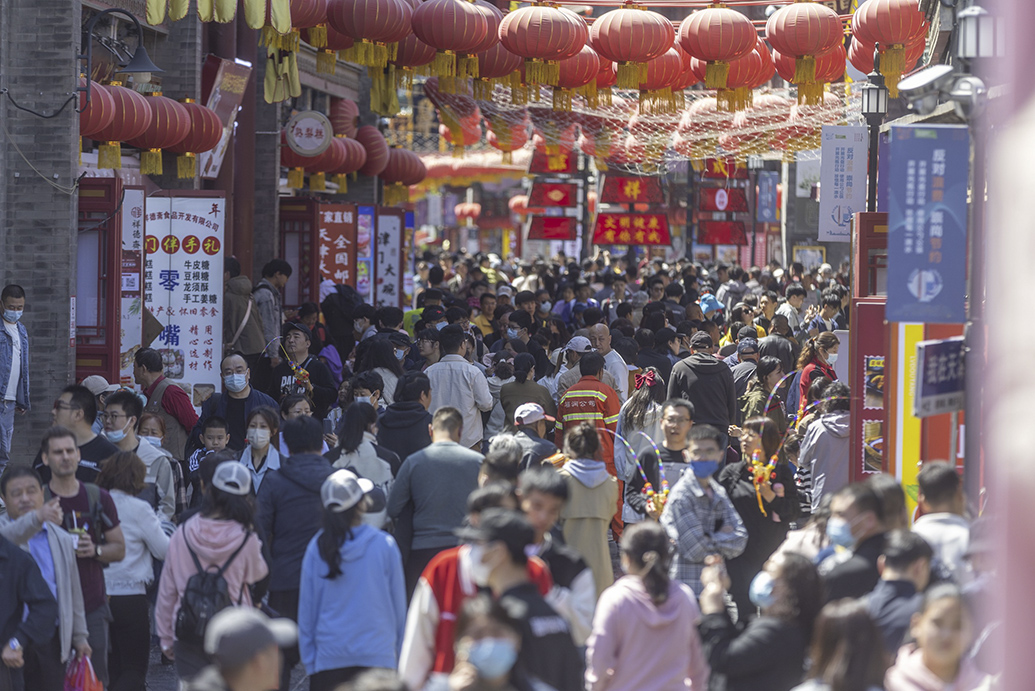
point(874, 108)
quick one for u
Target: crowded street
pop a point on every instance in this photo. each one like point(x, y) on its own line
point(471, 345)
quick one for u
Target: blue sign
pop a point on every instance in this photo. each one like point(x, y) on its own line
point(927, 223)
point(940, 380)
point(765, 204)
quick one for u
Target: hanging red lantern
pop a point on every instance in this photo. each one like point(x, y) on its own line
point(631, 36)
point(355, 158)
point(99, 113)
point(656, 87)
point(830, 66)
point(717, 36)
point(294, 162)
point(170, 125)
point(511, 138)
point(132, 118)
point(803, 30)
point(404, 168)
point(344, 117)
point(305, 14)
point(329, 44)
point(377, 150)
point(493, 18)
point(469, 134)
point(543, 35)
point(860, 54)
point(892, 24)
point(577, 73)
point(206, 129)
point(494, 64)
point(451, 27)
point(686, 77)
point(373, 24)
point(332, 158)
point(412, 57)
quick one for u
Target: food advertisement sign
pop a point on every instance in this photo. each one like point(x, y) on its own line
point(131, 282)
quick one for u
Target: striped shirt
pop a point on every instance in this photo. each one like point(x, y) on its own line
point(590, 400)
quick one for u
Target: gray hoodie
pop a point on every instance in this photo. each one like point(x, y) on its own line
point(826, 450)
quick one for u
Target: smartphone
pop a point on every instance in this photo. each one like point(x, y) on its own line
point(328, 426)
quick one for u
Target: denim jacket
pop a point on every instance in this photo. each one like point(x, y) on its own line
point(6, 353)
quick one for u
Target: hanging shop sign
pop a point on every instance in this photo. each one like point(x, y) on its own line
point(552, 228)
point(721, 199)
point(309, 133)
point(940, 380)
point(631, 190)
point(632, 229)
point(765, 200)
point(336, 225)
point(561, 164)
point(229, 80)
point(842, 180)
point(365, 227)
point(724, 168)
point(557, 194)
point(721, 233)
point(131, 322)
point(389, 264)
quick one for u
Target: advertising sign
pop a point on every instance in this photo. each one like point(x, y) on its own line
point(721, 199)
point(765, 203)
point(132, 283)
point(620, 189)
point(842, 180)
point(183, 288)
point(562, 164)
point(940, 377)
point(927, 223)
point(551, 228)
point(724, 168)
point(337, 242)
point(389, 265)
point(630, 229)
point(309, 133)
point(560, 194)
point(229, 80)
point(365, 252)
point(721, 233)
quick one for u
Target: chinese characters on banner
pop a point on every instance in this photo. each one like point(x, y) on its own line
point(365, 252)
point(132, 286)
point(631, 190)
point(631, 229)
point(927, 223)
point(337, 237)
point(941, 378)
point(842, 180)
point(389, 269)
point(563, 163)
point(562, 194)
point(183, 288)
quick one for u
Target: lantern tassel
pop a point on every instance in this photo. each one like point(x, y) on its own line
point(378, 55)
point(810, 94)
point(289, 41)
point(326, 61)
point(892, 63)
point(151, 162)
point(604, 95)
point(444, 64)
point(507, 158)
point(628, 75)
point(349, 55)
point(804, 70)
point(562, 99)
point(318, 182)
point(109, 155)
point(539, 72)
point(600, 163)
point(269, 36)
point(716, 75)
point(318, 36)
point(296, 178)
point(467, 66)
point(482, 90)
point(186, 165)
point(590, 93)
point(342, 181)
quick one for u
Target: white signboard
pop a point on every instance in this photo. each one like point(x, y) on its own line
point(388, 267)
point(183, 288)
point(132, 318)
point(842, 180)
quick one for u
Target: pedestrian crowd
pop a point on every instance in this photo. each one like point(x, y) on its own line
point(616, 474)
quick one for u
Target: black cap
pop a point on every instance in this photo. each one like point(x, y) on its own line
point(501, 525)
point(433, 313)
point(297, 326)
point(701, 340)
point(747, 332)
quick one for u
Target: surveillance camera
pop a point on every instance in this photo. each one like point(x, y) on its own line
point(923, 88)
point(969, 96)
point(770, 10)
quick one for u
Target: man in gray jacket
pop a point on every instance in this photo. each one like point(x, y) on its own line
point(825, 451)
point(53, 550)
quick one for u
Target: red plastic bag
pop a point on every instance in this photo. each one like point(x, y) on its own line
point(79, 676)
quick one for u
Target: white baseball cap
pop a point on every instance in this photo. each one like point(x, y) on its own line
point(343, 489)
point(233, 477)
point(98, 385)
point(527, 413)
point(579, 344)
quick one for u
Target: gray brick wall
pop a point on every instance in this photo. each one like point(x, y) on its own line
point(266, 231)
point(38, 42)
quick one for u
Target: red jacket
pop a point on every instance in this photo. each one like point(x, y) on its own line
point(591, 400)
point(813, 371)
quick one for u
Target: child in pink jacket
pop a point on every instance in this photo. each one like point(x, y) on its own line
point(644, 630)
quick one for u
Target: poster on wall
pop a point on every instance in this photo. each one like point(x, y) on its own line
point(408, 263)
point(132, 283)
point(874, 382)
point(365, 252)
point(337, 242)
point(389, 267)
point(842, 180)
point(183, 288)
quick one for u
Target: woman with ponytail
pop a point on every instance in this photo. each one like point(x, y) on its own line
point(524, 389)
point(352, 595)
point(641, 413)
point(817, 359)
point(644, 634)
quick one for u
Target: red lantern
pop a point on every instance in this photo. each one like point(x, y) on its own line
point(493, 17)
point(377, 150)
point(206, 129)
point(717, 35)
point(893, 24)
point(494, 64)
point(686, 77)
point(404, 168)
point(451, 27)
point(355, 158)
point(574, 73)
point(803, 30)
point(305, 14)
point(631, 37)
point(469, 134)
point(132, 118)
point(543, 35)
point(329, 43)
point(656, 87)
point(373, 24)
point(510, 139)
point(332, 158)
point(170, 125)
point(830, 66)
point(411, 55)
point(99, 113)
point(344, 117)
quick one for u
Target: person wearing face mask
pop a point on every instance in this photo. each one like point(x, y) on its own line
point(381, 357)
point(698, 516)
point(857, 524)
point(499, 560)
point(817, 359)
point(769, 653)
point(151, 429)
point(14, 366)
point(357, 452)
point(825, 450)
point(236, 404)
point(260, 454)
point(364, 319)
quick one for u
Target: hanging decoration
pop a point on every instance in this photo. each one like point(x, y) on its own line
point(304, 14)
point(206, 129)
point(494, 65)
point(451, 27)
point(332, 158)
point(170, 125)
point(132, 118)
point(631, 36)
point(543, 35)
point(99, 113)
point(411, 59)
point(375, 25)
point(376, 147)
point(355, 158)
point(334, 44)
point(894, 25)
point(656, 87)
point(577, 73)
point(803, 30)
point(404, 168)
point(717, 36)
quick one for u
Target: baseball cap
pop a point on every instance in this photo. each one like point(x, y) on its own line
point(343, 489)
point(747, 332)
point(710, 304)
point(501, 525)
point(504, 290)
point(701, 340)
point(233, 477)
point(747, 346)
point(98, 385)
point(433, 314)
point(235, 635)
point(527, 413)
point(579, 344)
point(297, 326)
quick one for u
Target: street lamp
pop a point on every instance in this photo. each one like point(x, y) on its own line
point(140, 64)
point(874, 108)
point(981, 34)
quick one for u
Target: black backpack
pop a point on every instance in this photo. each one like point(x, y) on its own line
point(206, 594)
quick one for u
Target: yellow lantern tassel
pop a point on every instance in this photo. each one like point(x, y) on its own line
point(628, 75)
point(810, 94)
point(109, 155)
point(892, 64)
point(326, 61)
point(804, 70)
point(289, 41)
point(318, 36)
point(268, 36)
point(589, 92)
point(349, 55)
point(447, 85)
point(716, 75)
point(507, 158)
point(378, 55)
point(600, 163)
point(296, 178)
point(467, 66)
point(604, 95)
point(186, 165)
point(342, 181)
point(318, 182)
point(151, 162)
point(482, 89)
point(444, 64)
point(562, 99)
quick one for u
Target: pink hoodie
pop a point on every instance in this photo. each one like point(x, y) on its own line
point(910, 674)
point(213, 541)
point(637, 645)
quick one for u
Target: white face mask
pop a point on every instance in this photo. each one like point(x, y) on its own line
point(480, 571)
point(153, 441)
point(258, 438)
point(364, 399)
point(831, 358)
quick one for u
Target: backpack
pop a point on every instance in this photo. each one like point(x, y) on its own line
point(206, 594)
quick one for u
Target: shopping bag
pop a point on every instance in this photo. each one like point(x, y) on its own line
point(79, 676)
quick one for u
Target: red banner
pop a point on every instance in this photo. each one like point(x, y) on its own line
point(721, 233)
point(722, 199)
point(337, 237)
point(724, 168)
point(552, 228)
point(553, 194)
point(629, 229)
point(561, 164)
point(631, 190)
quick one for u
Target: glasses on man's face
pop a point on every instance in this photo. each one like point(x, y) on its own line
point(104, 417)
point(61, 405)
point(676, 420)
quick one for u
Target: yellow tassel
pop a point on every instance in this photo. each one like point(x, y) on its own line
point(628, 75)
point(348, 55)
point(467, 66)
point(482, 90)
point(589, 92)
point(151, 162)
point(442, 145)
point(538, 72)
point(447, 85)
point(562, 99)
point(604, 95)
point(716, 75)
point(342, 182)
point(269, 36)
point(109, 155)
point(507, 158)
point(325, 61)
point(393, 51)
point(296, 178)
point(318, 36)
point(458, 150)
point(378, 55)
point(318, 182)
point(804, 70)
point(186, 165)
point(892, 64)
point(444, 64)
point(600, 163)
point(289, 41)
point(697, 164)
point(810, 94)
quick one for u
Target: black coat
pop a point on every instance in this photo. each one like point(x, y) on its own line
point(857, 576)
point(325, 391)
point(706, 382)
point(403, 428)
point(24, 586)
point(768, 654)
point(649, 357)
